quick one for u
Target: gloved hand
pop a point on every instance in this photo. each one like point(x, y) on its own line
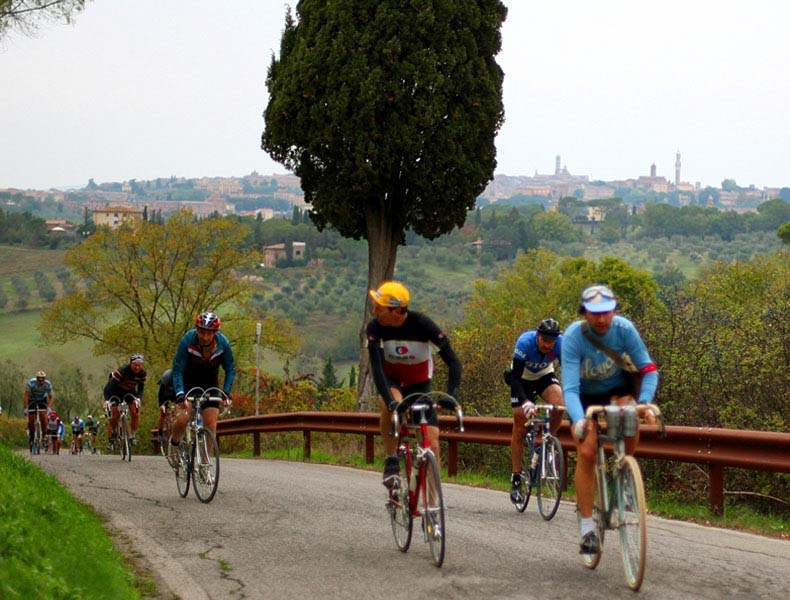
point(106, 407)
point(227, 402)
point(579, 429)
point(137, 403)
point(529, 409)
point(392, 405)
point(163, 409)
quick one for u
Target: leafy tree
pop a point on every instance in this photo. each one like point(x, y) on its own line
point(328, 376)
point(25, 15)
point(143, 285)
point(784, 232)
point(554, 226)
point(387, 111)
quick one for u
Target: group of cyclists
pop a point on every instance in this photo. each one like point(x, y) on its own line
point(401, 363)
point(201, 352)
point(399, 343)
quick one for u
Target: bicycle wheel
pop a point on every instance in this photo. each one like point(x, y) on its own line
point(401, 518)
point(551, 477)
point(126, 447)
point(591, 560)
point(205, 469)
point(433, 509)
point(183, 468)
point(526, 483)
point(631, 515)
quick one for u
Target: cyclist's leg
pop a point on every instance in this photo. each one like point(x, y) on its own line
point(31, 424)
point(630, 442)
point(553, 395)
point(180, 420)
point(135, 420)
point(517, 435)
point(390, 443)
point(114, 416)
point(210, 415)
point(584, 477)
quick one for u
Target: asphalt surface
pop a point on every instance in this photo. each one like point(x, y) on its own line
point(286, 530)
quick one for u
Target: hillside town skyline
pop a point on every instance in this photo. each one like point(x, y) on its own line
point(277, 193)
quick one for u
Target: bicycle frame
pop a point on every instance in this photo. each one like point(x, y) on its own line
point(611, 482)
point(421, 482)
point(38, 432)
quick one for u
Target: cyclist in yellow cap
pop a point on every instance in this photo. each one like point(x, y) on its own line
point(401, 361)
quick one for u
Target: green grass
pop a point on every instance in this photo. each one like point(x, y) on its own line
point(52, 546)
point(22, 344)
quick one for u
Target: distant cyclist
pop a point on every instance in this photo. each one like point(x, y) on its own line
point(590, 376)
point(401, 361)
point(77, 431)
point(52, 431)
point(127, 379)
point(533, 375)
point(38, 395)
point(92, 430)
point(167, 393)
point(201, 352)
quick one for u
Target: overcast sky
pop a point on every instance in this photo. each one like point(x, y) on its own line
point(139, 89)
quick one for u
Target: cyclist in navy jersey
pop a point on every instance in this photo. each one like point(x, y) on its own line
point(38, 394)
point(200, 354)
point(590, 377)
point(532, 374)
point(128, 379)
point(166, 394)
point(400, 350)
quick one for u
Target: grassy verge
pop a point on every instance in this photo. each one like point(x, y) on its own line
point(51, 546)
point(735, 516)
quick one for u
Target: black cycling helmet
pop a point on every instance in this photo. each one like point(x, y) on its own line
point(549, 328)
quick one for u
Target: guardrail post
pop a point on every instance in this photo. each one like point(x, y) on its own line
point(256, 443)
point(370, 451)
point(716, 489)
point(452, 458)
point(307, 444)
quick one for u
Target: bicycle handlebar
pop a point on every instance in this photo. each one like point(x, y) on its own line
point(411, 402)
point(599, 409)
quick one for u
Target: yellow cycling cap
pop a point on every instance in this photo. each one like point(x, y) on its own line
point(391, 294)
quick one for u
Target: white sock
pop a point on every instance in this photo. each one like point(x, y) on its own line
point(587, 525)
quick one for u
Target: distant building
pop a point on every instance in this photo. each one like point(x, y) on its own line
point(114, 216)
point(271, 254)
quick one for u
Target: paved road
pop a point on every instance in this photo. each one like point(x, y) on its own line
point(293, 530)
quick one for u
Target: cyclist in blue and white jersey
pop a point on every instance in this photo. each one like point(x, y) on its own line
point(77, 430)
point(590, 376)
point(400, 344)
point(532, 374)
point(38, 394)
point(200, 354)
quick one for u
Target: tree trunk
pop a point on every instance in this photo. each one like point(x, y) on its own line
point(384, 236)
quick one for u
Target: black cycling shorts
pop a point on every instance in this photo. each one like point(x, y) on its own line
point(605, 398)
point(418, 388)
point(534, 387)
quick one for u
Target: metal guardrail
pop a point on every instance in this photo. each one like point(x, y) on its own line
point(716, 448)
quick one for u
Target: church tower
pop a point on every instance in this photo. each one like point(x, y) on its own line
point(557, 168)
point(677, 168)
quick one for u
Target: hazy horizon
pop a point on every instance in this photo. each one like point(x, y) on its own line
point(144, 90)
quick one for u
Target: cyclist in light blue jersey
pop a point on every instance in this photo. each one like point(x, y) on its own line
point(590, 376)
point(532, 374)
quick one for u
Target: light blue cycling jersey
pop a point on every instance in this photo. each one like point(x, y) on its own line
point(536, 364)
point(588, 370)
point(39, 392)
